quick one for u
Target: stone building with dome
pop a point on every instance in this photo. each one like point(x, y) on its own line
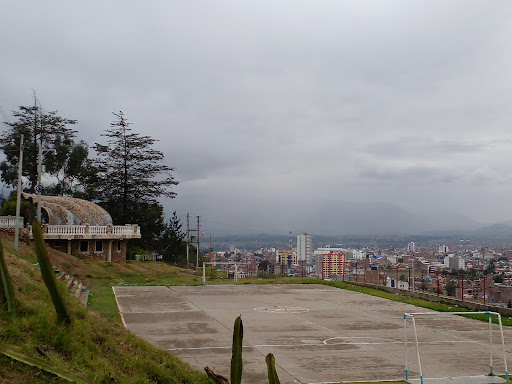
point(83, 229)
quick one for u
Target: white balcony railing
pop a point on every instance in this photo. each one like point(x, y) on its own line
point(90, 231)
point(10, 221)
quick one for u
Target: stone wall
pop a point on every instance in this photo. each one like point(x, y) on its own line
point(118, 255)
point(24, 233)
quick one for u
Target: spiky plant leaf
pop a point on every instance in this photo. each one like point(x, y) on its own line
point(48, 274)
point(7, 288)
point(214, 378)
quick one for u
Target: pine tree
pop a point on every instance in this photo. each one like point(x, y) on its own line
point(172, 246)
point(131, 177)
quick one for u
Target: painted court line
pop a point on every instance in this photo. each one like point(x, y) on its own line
point(323, 344)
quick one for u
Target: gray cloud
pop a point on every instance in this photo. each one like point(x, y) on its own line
point(400, 103)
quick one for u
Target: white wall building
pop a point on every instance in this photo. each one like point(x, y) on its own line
point(328, 249)
point(358, 254)
point(443, 249)
point(305, 248)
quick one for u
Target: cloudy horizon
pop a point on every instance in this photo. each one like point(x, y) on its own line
point(318, 116)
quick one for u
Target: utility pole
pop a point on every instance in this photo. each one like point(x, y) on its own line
point(38, 186)
point(413, 275)
point(197, 250)
point(484, 290)
point(18, 198)
point(437, 282)
point(210, 253)
point(188, 239)
point(462, 287)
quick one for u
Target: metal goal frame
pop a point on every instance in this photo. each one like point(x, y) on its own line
point(412, 315)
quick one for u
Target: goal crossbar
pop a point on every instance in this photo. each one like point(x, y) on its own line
point(412, 315)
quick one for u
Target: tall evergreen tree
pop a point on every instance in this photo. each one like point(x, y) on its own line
point(131, 177)
point(39, 127)
point(172, 245)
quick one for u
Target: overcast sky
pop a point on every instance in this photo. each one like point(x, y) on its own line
point(288, 115)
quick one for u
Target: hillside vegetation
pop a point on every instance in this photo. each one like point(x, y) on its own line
point(35, 348)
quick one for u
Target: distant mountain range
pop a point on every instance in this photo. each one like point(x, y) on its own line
point(269, 221)
point(333, 218)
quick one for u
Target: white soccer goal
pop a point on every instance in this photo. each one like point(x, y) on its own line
point(235, 275)
point(412, 316)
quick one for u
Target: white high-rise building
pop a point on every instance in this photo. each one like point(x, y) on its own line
point(305, 248)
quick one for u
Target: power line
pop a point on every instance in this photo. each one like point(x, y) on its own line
point(2, 112)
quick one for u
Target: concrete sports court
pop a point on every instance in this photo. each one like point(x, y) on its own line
point(317, 333)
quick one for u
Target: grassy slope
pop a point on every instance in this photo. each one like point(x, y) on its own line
point(93, 348)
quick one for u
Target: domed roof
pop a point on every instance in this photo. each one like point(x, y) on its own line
point(71, 211)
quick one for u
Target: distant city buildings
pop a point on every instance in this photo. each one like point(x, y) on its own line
point(474, 272)
point(333, 264)
point(286, 258)
point(442, 249)
point(305, 248)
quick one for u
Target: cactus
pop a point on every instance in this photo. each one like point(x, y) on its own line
point(48, 274)
point(236, 353)
point(3, 298)
point(236, 357)
point(6, 287)
point(271, 368)
point(236, 360)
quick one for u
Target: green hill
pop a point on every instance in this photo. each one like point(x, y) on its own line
point(35, 348)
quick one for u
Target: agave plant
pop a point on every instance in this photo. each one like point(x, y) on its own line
point(6, 287)
point(48, 274)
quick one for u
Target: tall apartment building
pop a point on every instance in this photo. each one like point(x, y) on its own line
point(286, 258)
point(305, 248)
point(333, 264)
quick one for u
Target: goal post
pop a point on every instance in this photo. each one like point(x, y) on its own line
point(412, 316)
point(235, 275)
